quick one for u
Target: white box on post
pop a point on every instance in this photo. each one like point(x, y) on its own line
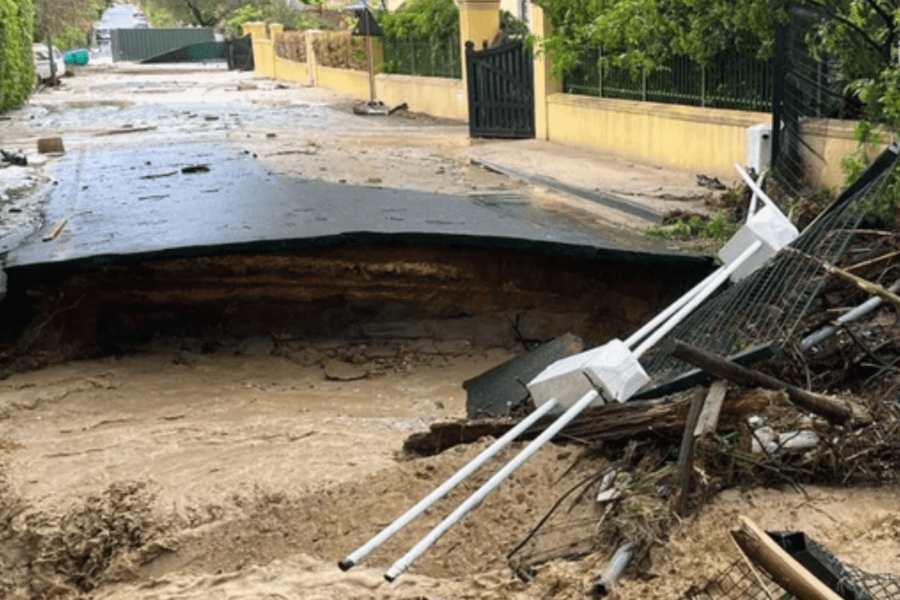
point(612, 368)
point(768, 226)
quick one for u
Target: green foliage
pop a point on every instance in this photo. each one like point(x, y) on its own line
point(512, 26)
point(67, 22)
point(640, 34)
point(16, 58)
point(696, 227)
point(272, 11)
point(431, 20)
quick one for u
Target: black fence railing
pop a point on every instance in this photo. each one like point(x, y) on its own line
point(424, 58)
point(732, 80)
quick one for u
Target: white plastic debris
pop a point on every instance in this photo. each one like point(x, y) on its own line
point(799, 440)
point(765, 438)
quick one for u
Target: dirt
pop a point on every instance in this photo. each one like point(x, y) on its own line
point(184, 461)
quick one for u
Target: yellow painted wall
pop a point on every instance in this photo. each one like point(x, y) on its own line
point(354, 83)
point(830, 142)
point(290, 70)
point(430, 95)
point(704, 140)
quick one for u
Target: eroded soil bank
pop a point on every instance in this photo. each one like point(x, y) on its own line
point(431, 299)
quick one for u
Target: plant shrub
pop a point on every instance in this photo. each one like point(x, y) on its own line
point(16, 59)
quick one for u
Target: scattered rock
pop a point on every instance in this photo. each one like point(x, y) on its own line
point(195, 169)
point(336, 370)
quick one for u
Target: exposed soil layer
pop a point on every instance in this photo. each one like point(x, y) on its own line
point(440, 300)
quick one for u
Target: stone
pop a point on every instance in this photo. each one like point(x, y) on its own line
point(337, 370)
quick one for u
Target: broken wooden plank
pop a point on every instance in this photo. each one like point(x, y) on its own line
point(781, 566)
point(834, 409)
point(686, 452)
point(709, 418)
point(55, 230)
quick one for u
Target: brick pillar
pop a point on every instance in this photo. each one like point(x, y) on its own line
point(275, 29)
point(544, 82)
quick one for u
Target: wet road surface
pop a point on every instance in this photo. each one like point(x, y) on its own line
point(190, 199)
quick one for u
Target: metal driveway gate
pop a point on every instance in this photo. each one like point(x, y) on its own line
point(501, 91)
point(139, 44)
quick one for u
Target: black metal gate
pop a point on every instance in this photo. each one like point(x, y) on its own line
point(240, 54)
point(501, 91)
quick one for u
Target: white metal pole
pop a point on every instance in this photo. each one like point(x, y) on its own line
point(352, 559)
point(858, 312)
point(475, 499)
point(755, 187)
point(751, 210)
point(648, 328)
point(719, 279)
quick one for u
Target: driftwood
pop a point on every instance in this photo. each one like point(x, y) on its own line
point(833, 409)
point(864, 284)
point(609, 422)
point(781, 566)
point(686, 452)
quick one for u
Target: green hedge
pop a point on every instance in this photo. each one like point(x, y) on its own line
point(16, 60)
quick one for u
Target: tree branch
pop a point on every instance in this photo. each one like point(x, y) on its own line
point(883, 51)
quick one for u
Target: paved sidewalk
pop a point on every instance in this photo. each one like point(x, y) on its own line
point(641, 193)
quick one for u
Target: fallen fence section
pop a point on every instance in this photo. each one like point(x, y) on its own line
point(825, 575)
point(768, 305)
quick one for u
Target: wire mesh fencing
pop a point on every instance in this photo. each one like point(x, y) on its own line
point(807, 91)
point(741, 581)
point(769, 304)
point(736, 582)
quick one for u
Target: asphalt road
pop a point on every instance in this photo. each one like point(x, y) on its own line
point(144, 202)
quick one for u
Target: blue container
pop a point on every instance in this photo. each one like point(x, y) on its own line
point(79, 56)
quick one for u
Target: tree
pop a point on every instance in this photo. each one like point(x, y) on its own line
point(430, 20)
point(214, 13)
point(642, 33)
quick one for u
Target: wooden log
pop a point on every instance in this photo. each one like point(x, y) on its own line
point(686, 452)
point(781, 566)
point(834, 409)
point(608, 422)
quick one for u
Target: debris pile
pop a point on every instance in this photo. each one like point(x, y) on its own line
point(821, 405)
